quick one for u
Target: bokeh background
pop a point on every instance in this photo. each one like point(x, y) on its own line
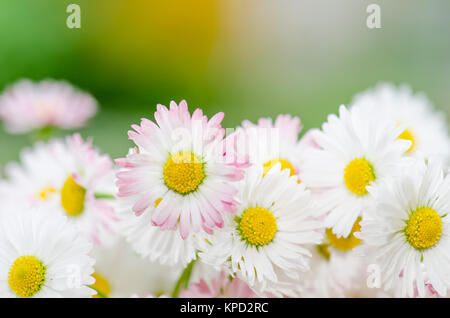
point(248, 58)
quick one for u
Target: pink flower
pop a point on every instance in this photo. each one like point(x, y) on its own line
point(26, 106)
point(268, 143)
point(178, 172)
point(68, 177)
point(221, 286)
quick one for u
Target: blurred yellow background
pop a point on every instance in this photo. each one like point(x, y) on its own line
point(248, 58)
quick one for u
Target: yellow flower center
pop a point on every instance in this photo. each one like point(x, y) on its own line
point(284, 165)
point(344, 243)
point(357, 176)
point(72, 197)
point(424, 228)
point(407, 135)
point(26, 276)
point(257, 226)
point(183, 173)
point(45, 193)
point(101, 286)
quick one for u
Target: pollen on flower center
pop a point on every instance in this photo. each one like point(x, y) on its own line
point(407, 135)
point(73, 197)
point(101, 286)
point(357, 175)
point(45, 193)
point(344, 243)
point(26, 276)
point(183, 172)
point(424, 228)
point(257, 226)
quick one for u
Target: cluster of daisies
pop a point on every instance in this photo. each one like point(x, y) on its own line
point(357, 208)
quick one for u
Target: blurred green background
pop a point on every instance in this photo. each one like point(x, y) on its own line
point(248, 58)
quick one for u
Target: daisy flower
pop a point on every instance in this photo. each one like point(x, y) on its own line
point(426, 128)
point(179, 173)
point(43, 255)
point(69, 177)
point(336, 268)
point(334, 273)
point(131, 274)
point(27, 106)
point(264, 244)
point(268, 143)
point(408, 231)
point(355, 152)
point(221, 286)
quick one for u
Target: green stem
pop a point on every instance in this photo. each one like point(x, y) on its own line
point(183, 281)
point(43, 134)
point(104, 196)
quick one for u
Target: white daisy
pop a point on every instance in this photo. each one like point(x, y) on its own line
point(69, 177)
point(336, 269)
point(269, 143)
point(264, 244)
point(43, 255)
point(178, 175)
point(131, 274)
point(426, 128)
point(354, 152)
point(408, 230)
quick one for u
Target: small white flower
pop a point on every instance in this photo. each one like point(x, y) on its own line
point(264, 244)
point(354, 152)
point(68, 176)
point(407, 232)
point(267, 143)
point(43, 255)
point(119, 272)
point(426, 128)
point(178, 173)
point(335, 275)
point(337, 270)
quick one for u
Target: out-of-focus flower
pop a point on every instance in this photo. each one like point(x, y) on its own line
point(43, 255)
point(221, 286)
point(407, 230)
point(148, 296)
point(426, 128)
point(119, 272)
point(264, 244)
point(355, 152)
point(269, 143)
point(334, 272)
point(69, 177)
point(178, 173)
point(27, 106)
